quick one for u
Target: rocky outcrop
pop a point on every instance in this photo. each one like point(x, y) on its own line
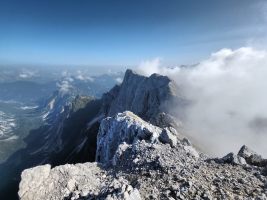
point(169, 135)
point(61, 182)
point(150, 98)
point(145, 167)
point(245, 156)
point(125, 128)
point(231, 158)
point(252, 157)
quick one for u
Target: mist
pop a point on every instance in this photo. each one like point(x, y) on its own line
point(228, 99)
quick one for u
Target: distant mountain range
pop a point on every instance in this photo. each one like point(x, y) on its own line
point(30, 91)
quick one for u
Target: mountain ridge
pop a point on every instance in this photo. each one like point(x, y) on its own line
point(140, 151)
point(137, 160)
point(70, 135)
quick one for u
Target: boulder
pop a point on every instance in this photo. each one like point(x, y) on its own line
point(62, 182)
point(257, 160)
point(231, 158)
point(245, 152)
point(31, 179)
point(167, 136)
point(252, 157)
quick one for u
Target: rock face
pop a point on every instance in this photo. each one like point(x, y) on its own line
point(144, 167)
point(148, 97)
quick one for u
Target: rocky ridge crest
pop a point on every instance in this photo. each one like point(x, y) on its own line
point(138, 160)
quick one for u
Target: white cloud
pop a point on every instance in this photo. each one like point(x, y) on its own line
point(118, 80)
point(229, 99)
point(65, 73)
point(64, 86)
point(83, 77)
point(27, 74)
point(23, 76)
point(149, 67)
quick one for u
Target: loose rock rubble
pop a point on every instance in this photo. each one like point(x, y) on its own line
point(137, 160)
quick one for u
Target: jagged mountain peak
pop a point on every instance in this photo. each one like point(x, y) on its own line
point(144, 96)
point(131, 72)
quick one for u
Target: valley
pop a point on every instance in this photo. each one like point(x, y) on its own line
point(16, 121)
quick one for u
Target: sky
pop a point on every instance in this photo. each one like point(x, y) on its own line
point(125, 32)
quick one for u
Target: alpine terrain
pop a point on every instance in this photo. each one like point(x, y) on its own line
point(129, 145)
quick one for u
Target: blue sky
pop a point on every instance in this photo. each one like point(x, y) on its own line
point(125, 32)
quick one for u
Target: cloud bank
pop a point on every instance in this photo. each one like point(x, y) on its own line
point(228, 99)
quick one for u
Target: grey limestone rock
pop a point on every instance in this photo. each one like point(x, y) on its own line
point(167, 136)
point(123, 128)
point(245, 152)
point(32, 179)
point(61, 182)
point(252, 157)
point(234, 159)
point(119, 189)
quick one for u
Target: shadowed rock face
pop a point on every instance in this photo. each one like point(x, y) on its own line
point(146, 97)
